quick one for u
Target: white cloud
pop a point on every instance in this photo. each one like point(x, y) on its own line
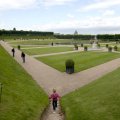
point(16, 4)
point(108, 13)
point(106, 24)
point(70, 15)
point(91, 25)
point(100, 4)
point(23, 4)
point(56, 2)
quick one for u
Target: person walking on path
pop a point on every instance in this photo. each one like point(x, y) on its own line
point(13, 52)
point(54, 97)
point(23, 56)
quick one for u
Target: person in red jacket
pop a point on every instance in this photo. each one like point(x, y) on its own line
point(54, 97)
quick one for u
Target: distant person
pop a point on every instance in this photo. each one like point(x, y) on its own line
point(23, 56)
point(13, 52)
point(18, 47)
point(54, 97)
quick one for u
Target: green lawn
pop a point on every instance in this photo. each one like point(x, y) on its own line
point(29, 46)
point(22, 98)
point(47, 41)
point(38, 51)
point(41, 42)
point(83, 60)
point(99, 100)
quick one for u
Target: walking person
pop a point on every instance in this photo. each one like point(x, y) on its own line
point(54, 97)
point(13, 52)
point(23, 56)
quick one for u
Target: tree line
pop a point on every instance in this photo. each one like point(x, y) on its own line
point(41, 35)
point(28, 34)
point(110, 37)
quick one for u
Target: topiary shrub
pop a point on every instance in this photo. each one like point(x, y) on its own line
point(76, 46)
point(18, 47)
point(115, 48)
point(98, 45)
point(69, 66)
point(52, 43)
point(109, 49)
point(107, 45)
point(85, 48)
point(81, 44)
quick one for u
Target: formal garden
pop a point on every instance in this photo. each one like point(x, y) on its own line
point(98, 100)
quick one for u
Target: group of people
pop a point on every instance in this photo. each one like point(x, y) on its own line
point(22, 54)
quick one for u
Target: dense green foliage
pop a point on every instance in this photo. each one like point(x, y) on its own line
point(22, 98)
point(99, 100)
point(70, 36)
point(69, 63)
point(83, 60)
point(24, 33)
point(115, 48)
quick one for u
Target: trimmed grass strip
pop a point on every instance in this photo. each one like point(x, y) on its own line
point(99, 100)
point(83, 60)
point(22, 98)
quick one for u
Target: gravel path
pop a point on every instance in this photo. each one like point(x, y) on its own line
point(49, 78)
point(50, 114)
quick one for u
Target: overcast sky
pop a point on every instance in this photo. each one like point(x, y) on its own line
point(61, 16)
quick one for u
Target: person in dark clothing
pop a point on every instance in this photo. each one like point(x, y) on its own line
point(13, 52)
point(23, 56)
point(54, 96)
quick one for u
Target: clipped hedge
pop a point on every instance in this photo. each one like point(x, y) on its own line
point(69, 66)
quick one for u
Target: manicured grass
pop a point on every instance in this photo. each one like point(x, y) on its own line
point(118, 48)
point(38, 51)
point(42, 42)
point(99, 100)
point(47, 41)
point(83, 60)
point(22, 98)
point(29, 46)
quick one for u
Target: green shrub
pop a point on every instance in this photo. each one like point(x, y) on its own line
point(85, 48)
point(81, 44)
point(110, 49)
point(69, 63)
point(69, 66)
point(98, 45)
point(115, 48)
point(107, 45)
point(76, 46)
